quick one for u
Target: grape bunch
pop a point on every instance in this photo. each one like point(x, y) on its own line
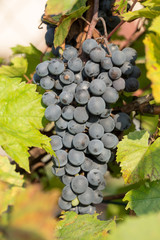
point(78, 99)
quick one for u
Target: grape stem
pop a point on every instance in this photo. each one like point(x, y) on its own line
point(114, 197)
point(122, 22)
point(94, 19)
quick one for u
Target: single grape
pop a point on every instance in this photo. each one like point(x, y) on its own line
point(113, 47)
point(49, 37)
point(74, 127)
point(42, 69)
point(61, 123)
point(56, 142)
point(110, 95)
point(105, 77)
point(53, 112)
point(66, 97)
point(95, 146)
point(91, 69)
point(87, 165)
point(75, 157)
point(47, 82)
point(86, 209)
point(70, 88)
point(136, 72)
point(56, 66)
point(36, 79)
point(115, 73)
point(86, 198)
point(106, 63)
point(95, 177)
point(118, 57)
point(132, 84)
point(58, 85)
point(98, 197)
point(67, 112)
point(127, 68)
point(82, 96)
point(104, 156)
point(60, 160)
point(75, 64)
point(80, 114)
point(119, 84)
point(58, 171)
point(88, 45)
point(71, 169)
point(68, 140)
point(131, 54)
point(97, 87)
point(96, 105)
point(64, 205)
point(70, 52)
point(109, 140)
point(97, 54)
point(78, 78)
point(79, 184)
point(108, 124)
point(80, 141)
point(68, 194)
point(67, 77)
point(122, 121)
point(83, 86)
point(49, 98)
point(96, 131)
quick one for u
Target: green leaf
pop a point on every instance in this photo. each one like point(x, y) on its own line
point(151, 3)
point(144, 227)
point(21, 116)
point(155, 25)
point(139, 161)
point(57, 7)
point(148, 122)
point(77, 5)
point(17, 68)
point(152, 42)
point(86, 227)
point(144, 199)
point(10, 183)
point(32, 54)
point(63, 29)
point(121, 6)
point(144, 12)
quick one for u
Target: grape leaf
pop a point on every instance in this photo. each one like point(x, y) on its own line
point(151, 3)
point(143, 227)
point(21, 116)
point(63, 29)
point(121, 6)
point(138, 160)
point(77, 5)
point(32, 54)
point(86, 227)
point(33, 212)
point(10, 183)
point(17, 68)
point(57, 7)
point(144, 12)
point(155, 25)
point(152, 42)
point(144, 199)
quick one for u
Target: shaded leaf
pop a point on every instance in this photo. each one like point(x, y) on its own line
point(152, 42)
point(86, 227)
point(34, 210)
point(144, 199)
point(10, 183)
point(17, 68)
point(121, 6)
point(148, 122)
point(139, 161)
point(21, 116)
point(63, 29)
point(56, 7)
point(32, 54)
point(144, 227)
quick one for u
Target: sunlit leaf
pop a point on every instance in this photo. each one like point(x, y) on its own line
point(57, 7)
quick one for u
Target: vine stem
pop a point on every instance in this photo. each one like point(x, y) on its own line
point(114, 197)
point(122, 22)
point(94, 19)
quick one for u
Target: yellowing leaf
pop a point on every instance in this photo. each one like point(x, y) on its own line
point(152, 42)
point(34, 210)
point(86, 227)
point(57, 7)
point(10, 183)
point(21, 116)
point(144, 199)
point(138, 161)
point(155, 25)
